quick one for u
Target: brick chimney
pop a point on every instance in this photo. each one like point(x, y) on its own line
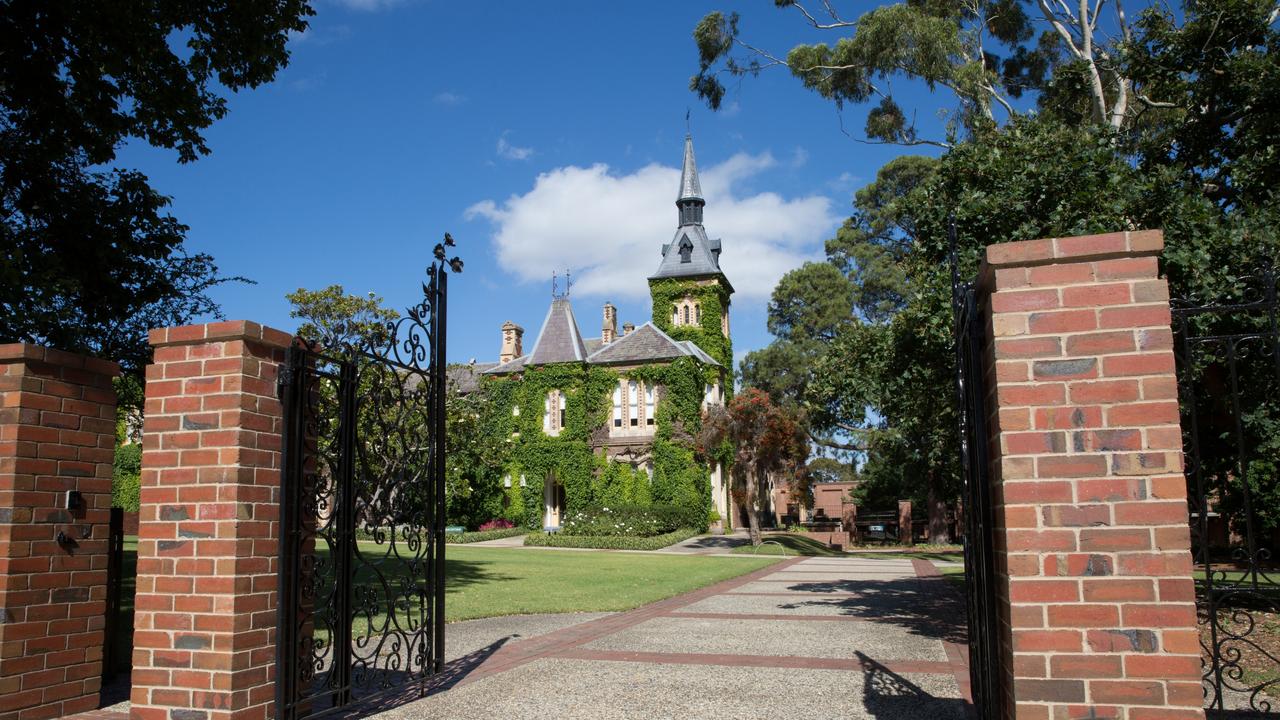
point(609, 332)
point(512, 342)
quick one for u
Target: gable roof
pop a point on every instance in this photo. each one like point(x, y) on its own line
point(647, 343)
point(559, 340)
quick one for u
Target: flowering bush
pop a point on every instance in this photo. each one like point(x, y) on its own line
point(497, 524)
point(633, 521)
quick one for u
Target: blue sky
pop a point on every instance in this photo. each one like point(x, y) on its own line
point(542, 135)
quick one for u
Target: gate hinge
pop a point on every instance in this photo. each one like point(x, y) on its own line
point(284, 378)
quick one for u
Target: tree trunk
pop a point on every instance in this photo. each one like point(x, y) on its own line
point(753, 507)
point(937, 518)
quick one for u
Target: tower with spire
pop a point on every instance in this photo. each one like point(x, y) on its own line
point(689, 290)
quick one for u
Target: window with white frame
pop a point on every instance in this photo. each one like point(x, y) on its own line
point(633, 403)
point(553, 414)
point(635, 407)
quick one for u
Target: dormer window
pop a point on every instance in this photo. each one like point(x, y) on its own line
point(686, 249)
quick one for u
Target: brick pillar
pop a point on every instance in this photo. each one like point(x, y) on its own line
point(206, 600)
point(1092, 535)
point(57, 434)
point(905, 536)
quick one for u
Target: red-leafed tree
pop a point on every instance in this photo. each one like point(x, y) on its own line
point(766, 439)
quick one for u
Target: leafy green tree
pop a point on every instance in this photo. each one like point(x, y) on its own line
point(93, 260)
point(477, 453)
point(332, 317)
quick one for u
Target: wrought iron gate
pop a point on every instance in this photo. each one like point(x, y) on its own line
point(986, 667)
point(361, 611)
point(1228, 356)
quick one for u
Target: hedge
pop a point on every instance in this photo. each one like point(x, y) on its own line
point(612, 542)
point(482, 535)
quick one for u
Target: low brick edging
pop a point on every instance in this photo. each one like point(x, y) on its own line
point(206, 604)
point(1092, 537)
point(57, 434)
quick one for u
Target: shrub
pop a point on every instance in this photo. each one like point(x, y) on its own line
point(609, 542)
point(497, 524)
point(634, 520)
point(126, 476)
point(480, 536)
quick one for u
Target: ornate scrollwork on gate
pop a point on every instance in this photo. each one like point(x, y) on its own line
point(1228, 354)
point(361, 565)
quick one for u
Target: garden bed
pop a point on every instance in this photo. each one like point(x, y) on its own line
point(482, 535)
point(609, 542)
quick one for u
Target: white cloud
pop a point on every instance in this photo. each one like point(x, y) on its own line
point(368, 5)
point(512, 152)
point(449, 99)
point(609, 228)
point(799, 157)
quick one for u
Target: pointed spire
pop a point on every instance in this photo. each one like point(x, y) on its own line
point(690, 201)
point(690, 188)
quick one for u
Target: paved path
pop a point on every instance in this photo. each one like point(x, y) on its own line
point(807, 638)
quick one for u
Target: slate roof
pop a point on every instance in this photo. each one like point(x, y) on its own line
point(690, 187)
point(647, 343)
point(644, 344)
point(560, 340)
point(703, 254)
point(465, 379)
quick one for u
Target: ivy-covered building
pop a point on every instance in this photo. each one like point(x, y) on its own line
point(613, 419)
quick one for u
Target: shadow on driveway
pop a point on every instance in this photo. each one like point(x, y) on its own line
point(924, 606)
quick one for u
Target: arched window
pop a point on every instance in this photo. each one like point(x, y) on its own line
point(649, 406)
point(686, 315)
point(697, 313)
point(633, 403)
point(617, 405)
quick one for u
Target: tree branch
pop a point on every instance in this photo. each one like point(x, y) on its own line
point(838, 23)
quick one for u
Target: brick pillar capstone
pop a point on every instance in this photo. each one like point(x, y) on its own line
point(206, 598)
point(1092, 538)
point(57, 434)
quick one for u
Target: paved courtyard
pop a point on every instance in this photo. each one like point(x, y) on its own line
point(805, 638)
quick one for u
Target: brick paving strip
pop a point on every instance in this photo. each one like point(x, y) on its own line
point(957, 654)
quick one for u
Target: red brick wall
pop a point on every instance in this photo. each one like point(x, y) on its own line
point(205, 623)
point(57, 433)
point(1092, 530)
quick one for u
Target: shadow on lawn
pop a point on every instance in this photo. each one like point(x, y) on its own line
point(924, 606)
point(886, 695)
point(461, 573)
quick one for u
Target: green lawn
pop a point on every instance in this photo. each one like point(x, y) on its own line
point(484, 582)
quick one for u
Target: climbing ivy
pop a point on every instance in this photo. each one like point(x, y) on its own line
point(589, 479)
point(714, 300)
